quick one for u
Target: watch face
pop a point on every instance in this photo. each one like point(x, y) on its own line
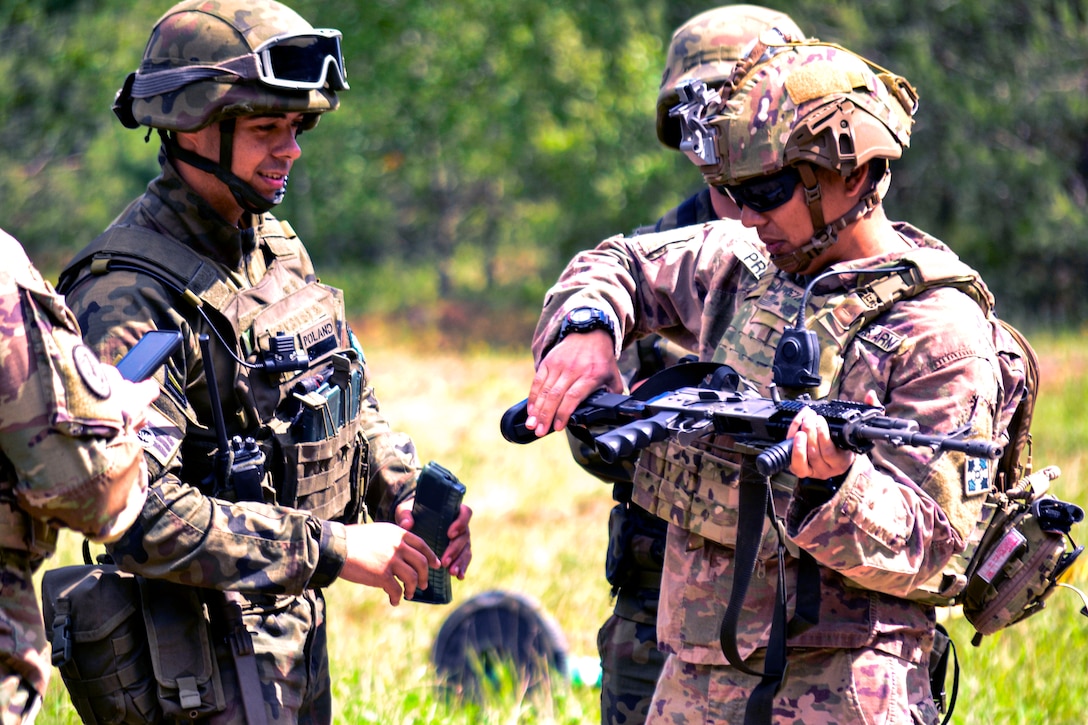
point(580, 315)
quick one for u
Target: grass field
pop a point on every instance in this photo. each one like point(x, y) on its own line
point(539, 529)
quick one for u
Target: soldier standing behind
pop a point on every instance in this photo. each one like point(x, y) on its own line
point(705, 48)
point(69, 457)
point(229, 85)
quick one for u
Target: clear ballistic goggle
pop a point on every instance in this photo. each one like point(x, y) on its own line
point(302, 62)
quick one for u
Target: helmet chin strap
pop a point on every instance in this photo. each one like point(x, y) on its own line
point(798, 261)
point(243, 193)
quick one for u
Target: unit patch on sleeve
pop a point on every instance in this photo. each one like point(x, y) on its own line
point(976, 476)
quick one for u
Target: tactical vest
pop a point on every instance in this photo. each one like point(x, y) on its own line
point(697, 488)
point(307, 421)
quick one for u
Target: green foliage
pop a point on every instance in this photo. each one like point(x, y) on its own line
point(512, 134)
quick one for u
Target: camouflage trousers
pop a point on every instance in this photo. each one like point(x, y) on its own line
point(630, 661)
point(290, 641)
point(822, 687)
point(24, 652)
point(19, 703)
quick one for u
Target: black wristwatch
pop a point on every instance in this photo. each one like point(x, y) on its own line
point(585, 319)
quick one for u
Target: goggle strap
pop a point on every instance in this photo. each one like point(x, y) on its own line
point(154, 83)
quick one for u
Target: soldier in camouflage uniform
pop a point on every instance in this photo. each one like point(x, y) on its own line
point(229, 85)
point(802, 145)
point(69, 457)
point(705, 48)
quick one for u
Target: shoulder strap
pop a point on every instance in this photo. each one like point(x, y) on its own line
point(168, 260)
point(926, 269)
point(1010, 469)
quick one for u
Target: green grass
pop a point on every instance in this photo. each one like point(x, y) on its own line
point(539, 528)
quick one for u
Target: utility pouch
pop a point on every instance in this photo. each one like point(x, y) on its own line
point(93, 622)
point(180, 649)
point(1020, 561)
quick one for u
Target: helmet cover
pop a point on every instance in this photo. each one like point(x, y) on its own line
point(705, 48)
point(192, 70)
point(811, 102)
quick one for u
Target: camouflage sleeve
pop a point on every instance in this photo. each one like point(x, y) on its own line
point(77, 461)
point(183, 535)
point(902, 513)
point(649, 283)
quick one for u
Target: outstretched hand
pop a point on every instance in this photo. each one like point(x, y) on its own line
point(385, 555)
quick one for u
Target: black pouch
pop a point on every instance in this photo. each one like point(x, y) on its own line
point(617, 560)
point(94, 623)
point(180, 649)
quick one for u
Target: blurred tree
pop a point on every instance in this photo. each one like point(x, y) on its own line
point(488, 140)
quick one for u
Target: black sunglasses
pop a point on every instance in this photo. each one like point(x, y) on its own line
point(764, 193)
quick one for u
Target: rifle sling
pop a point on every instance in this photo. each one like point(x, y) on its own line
point(755, 495)
point(245, 661)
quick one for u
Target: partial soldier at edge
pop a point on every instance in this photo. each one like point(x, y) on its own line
point(69, 457)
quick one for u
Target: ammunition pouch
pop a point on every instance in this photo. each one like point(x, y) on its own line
point(636, 549)
point(129, 649)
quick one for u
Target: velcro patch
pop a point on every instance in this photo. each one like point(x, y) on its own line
point(751, 257)
point(882, 337)
point(976, 476)
point(818, 79)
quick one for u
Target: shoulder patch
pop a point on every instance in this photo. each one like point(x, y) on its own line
point(881, 337)
point(90, 371)
point(658, 243)
point(160, 437)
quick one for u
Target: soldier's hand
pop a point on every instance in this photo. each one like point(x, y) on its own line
point(814, 453)
point(458, 552)
point(386, 556)
point(578, 365)
point(134, 398)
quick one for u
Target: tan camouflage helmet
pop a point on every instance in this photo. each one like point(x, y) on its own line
point(811, 102)
point(705, 48)
point(208, 60)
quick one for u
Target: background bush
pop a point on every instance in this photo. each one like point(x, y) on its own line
point(483, 142)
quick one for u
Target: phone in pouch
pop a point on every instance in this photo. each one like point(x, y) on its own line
point(437, 504)
point(149, 352)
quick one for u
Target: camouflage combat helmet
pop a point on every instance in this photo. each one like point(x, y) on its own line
point(208, 60)
point(800, 105)
point(211, 61)
point(705, 48)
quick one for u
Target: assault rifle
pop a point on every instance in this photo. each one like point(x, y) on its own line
point(723, 405)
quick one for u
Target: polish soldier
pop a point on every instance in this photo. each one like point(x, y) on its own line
point(269, 367)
